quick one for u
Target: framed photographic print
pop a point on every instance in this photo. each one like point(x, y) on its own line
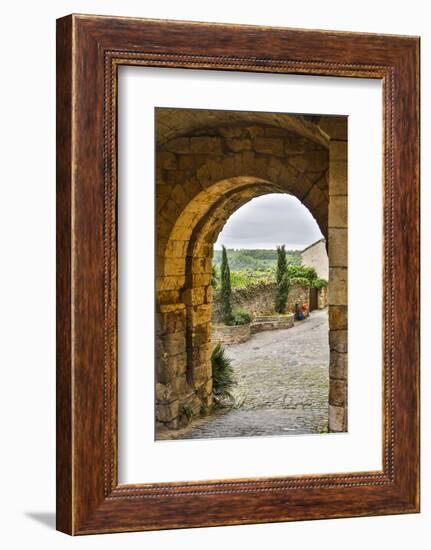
point(237, 274)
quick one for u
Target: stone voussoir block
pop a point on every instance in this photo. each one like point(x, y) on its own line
point(201, 374)
point(232, 165)
point(167, 160)
point(337, 418)
point(272, 131)
point(170, 210)
point(338, 317)
point(173, 321)
point(178, 145)
point(208, 294)
point(166, 298)
point(174, 266)
point(201, 314)
point(194, 296)
point(201, 265)
point(337, 150)
point(169, 283)
point(201, 334)
point(335, 127)
point(338, 177)
point(237, 145)
point(187, 162)
point(337, 247)
point(175, 177)
point(163, 392)
point(311, 161)
point(192, 187)
point(202, 355)
point(338, 293)
point(274, 168)
point(203, 175)
point(215, 167)
point(165, 412)
point(202, 279)
point(337, 211)
point(338, 365)
point(179, 196)
point(315, 199)
point(260, 169)
point(269, 145)
point(205, 144)
point(230, 132)
point(176, 249)
point(173, 343)
point(254, 131)
point(338, 341)
point(170, 367)
point(337, 392)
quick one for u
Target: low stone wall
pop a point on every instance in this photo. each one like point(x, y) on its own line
point(272, 322)
point(230, 335)
point(259, 300)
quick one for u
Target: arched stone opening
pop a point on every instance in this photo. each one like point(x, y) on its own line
point(203, 177)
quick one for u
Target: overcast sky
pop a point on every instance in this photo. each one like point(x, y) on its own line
point(268, 221)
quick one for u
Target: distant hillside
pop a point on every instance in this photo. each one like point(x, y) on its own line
point(255, 259)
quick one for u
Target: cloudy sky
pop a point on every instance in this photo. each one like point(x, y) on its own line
point(268, 221)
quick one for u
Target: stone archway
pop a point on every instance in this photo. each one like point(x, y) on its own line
point(208, 166)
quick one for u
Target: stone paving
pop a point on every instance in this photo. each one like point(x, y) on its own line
point(282, 386)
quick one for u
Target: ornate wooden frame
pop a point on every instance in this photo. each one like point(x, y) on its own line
point(89, 50)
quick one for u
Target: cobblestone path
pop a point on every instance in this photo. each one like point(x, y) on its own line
point(282, 387)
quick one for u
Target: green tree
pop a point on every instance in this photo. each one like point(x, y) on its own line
point(225, 288)
point(282, 280)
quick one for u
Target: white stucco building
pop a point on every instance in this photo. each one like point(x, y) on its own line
point(315, 255)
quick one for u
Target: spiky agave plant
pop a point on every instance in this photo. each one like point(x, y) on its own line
point(223, 376)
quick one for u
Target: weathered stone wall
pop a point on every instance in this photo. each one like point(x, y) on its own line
point(230, 335)
point(298, 294)
point(316, 256)
point(259, 299)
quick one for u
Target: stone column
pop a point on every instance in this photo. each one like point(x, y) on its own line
point(171, 362)
point(337, 251)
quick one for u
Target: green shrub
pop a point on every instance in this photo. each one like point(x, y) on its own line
point(302, 281)
point(320, 283)
point(301, 271)
point(223, 375)
point(240, 317)
point(186, 411)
